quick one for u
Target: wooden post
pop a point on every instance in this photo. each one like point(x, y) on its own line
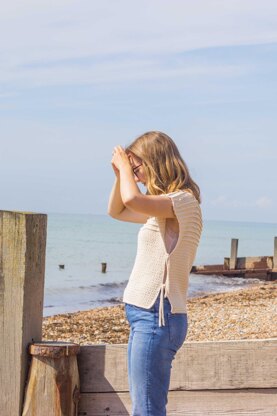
point(22, 267)
point(234, 252)
point(53, 382)
point(274, 265)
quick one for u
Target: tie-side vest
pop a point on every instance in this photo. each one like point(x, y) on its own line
point(157, 271)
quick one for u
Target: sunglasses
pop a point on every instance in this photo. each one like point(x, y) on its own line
point(135, 168)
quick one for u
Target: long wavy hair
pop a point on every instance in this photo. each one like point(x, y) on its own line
point(164, 168)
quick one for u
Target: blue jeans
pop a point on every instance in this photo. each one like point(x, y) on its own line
point(151, 350)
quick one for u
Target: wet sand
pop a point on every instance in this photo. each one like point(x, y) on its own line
point(249, 313)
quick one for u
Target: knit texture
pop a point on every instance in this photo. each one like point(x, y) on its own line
point(152, 260)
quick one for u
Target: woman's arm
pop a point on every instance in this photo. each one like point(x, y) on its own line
point(117, 210)
point(132, 198)
point(115, 205)
point(151, 205)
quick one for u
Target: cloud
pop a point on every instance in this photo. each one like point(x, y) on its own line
point(91, 42)
point(220, 200)
point(119, 71)
point(263, 202)
point(159, 26)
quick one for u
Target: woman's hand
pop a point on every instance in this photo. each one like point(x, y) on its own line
point(120, 160)
point(116, 171)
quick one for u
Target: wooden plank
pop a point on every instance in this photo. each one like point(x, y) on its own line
point(22, 265)
point(274, 266)
point(207, 267)
point(234, 253)
point(236, 272)
point(253, 402)
point(197, 366)
point(258, 274)
point(261, 262)
point(274, 261)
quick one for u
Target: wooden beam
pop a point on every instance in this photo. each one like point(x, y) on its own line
point(252, 402)
point(227, 272)
point(22, 266)
point(254, 262)
point(261, 262)
point(234, 253)
point(274, 266)
point(197, 366)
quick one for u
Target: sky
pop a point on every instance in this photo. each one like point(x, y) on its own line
point(80, 77)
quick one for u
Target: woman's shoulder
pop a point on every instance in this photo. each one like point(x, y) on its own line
point(183, 197)
point(177, 192)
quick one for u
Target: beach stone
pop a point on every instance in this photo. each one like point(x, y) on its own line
point(248, 313)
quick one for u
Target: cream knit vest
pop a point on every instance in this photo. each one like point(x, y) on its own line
point(155, 270)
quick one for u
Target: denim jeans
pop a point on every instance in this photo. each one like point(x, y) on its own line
point(151, 350)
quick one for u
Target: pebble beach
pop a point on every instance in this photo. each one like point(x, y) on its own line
point(249, 313)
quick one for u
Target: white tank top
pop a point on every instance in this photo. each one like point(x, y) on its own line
point(152, 260)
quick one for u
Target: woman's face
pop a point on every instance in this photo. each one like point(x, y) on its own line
point(138, 169)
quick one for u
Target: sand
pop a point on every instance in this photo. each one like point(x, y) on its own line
point(249, 313)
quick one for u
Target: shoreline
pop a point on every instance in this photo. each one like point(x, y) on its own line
point(218, 285)
point(247, 313)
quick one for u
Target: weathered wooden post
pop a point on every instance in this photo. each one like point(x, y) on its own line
point(53, 382)
point(22, 268)
point(274, 265)
point(234, 253)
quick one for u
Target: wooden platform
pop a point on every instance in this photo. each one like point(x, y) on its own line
point(254, 267)
point(208, 378)
point(261, 267)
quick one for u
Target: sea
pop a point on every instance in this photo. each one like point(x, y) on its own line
point(77, 245)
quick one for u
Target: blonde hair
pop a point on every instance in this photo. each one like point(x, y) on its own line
point(164, 168)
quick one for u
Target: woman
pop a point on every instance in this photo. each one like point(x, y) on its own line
point(156, 293)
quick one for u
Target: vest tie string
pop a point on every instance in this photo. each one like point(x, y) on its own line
point(162, 294)
point(161, 306)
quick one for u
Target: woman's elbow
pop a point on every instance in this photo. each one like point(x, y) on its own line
point(111, 213)
point(131, 202)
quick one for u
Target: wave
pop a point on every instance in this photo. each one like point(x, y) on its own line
point(110, 285)
point(70, 299)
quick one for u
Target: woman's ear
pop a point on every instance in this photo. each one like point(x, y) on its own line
point(130, 158)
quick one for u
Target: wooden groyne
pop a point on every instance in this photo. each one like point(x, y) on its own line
point(263, 267)
point(237, 377)
point(208, 378)
point(22, 268)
